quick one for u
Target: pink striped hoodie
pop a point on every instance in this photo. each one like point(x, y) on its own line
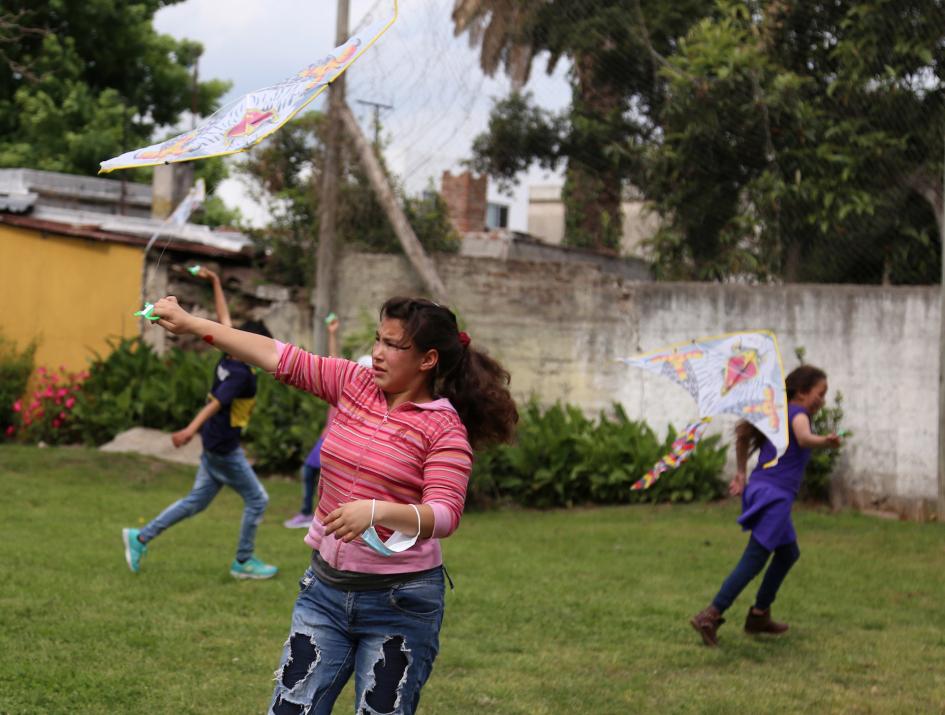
point(413, 454)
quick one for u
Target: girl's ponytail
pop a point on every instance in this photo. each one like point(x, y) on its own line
point(479, 390)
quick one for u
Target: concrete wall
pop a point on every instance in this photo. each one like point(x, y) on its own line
point(286, 312)
point(559, 327)
point(508, 245)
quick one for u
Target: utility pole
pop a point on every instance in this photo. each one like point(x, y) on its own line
point(377, 106)
point(940, 511)
point(328, 197)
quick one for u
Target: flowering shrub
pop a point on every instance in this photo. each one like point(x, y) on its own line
point(46, 412)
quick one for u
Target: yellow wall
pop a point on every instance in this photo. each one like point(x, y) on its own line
point(70, 293)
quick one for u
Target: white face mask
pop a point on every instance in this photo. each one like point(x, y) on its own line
point(397, 543)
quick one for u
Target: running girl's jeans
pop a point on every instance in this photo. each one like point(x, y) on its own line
point(388, 638)
point(750, 565)
point(309, 480)
point(215, 471)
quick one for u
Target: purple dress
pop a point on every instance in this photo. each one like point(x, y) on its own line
point(767, 500)
point(314, 459)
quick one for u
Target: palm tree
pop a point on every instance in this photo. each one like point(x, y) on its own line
point(500, 28)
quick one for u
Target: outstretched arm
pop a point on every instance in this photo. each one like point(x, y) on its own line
point(333, 338)
point(251, 348)
point(807, 439)
point(219, 300)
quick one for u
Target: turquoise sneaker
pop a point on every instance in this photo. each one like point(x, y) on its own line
point(134, 549)
point(252, 568)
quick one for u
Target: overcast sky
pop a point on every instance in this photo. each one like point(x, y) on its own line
point(439, 97)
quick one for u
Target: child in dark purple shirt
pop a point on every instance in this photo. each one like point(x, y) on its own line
point(766, 506)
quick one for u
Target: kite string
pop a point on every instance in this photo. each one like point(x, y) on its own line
point(161, 229)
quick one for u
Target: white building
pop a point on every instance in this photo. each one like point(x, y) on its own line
point(546, 219)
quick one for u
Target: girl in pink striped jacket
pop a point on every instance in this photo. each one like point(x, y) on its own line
point(395, 465)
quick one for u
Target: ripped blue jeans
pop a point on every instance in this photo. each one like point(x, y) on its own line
point(388, 638)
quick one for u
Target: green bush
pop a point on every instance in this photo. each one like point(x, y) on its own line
point(15, 370)
point(135, 387)
point(561, 458)
point(286, 423)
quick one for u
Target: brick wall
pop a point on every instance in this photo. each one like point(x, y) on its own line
point(465, 197)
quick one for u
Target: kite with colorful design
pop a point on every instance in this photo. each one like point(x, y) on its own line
point(738, 373)
point(248, 120)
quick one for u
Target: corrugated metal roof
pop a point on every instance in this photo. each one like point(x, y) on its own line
point(50, 201)
point(232, 241)
point(94, 234)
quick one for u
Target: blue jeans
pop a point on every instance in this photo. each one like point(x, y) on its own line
point(215, 472)
point(309, 480)
point(750, 565)
point(388, 638)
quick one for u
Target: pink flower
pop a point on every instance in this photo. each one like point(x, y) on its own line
point(11, 430)
point(17, 406)
point(55, 424)
point(48, 392)
point(62, 392)
point(35, 405)
point(62, 415)
point(41, 370)
point(70, 402)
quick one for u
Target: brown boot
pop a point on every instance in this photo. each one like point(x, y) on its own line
point(707, 622)
point(762, 623)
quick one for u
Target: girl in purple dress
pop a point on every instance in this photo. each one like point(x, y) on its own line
point(766, 506)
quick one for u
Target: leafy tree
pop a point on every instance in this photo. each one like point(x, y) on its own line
point(83, 81)
point(284, 173)
point(778, 140)
point(614, 48)
point(803, 141)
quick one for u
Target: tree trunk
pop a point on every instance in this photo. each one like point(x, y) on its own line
point(930, 189)
point(593, 183)
point(385, 196)
point(792, 262)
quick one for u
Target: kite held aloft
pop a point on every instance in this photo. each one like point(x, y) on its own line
point(738, 373)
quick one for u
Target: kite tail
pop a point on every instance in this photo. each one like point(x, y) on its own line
point(682, 449)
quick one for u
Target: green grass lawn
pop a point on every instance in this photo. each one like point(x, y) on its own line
point(581, 611)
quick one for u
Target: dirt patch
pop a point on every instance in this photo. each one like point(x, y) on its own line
point(154, 443)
